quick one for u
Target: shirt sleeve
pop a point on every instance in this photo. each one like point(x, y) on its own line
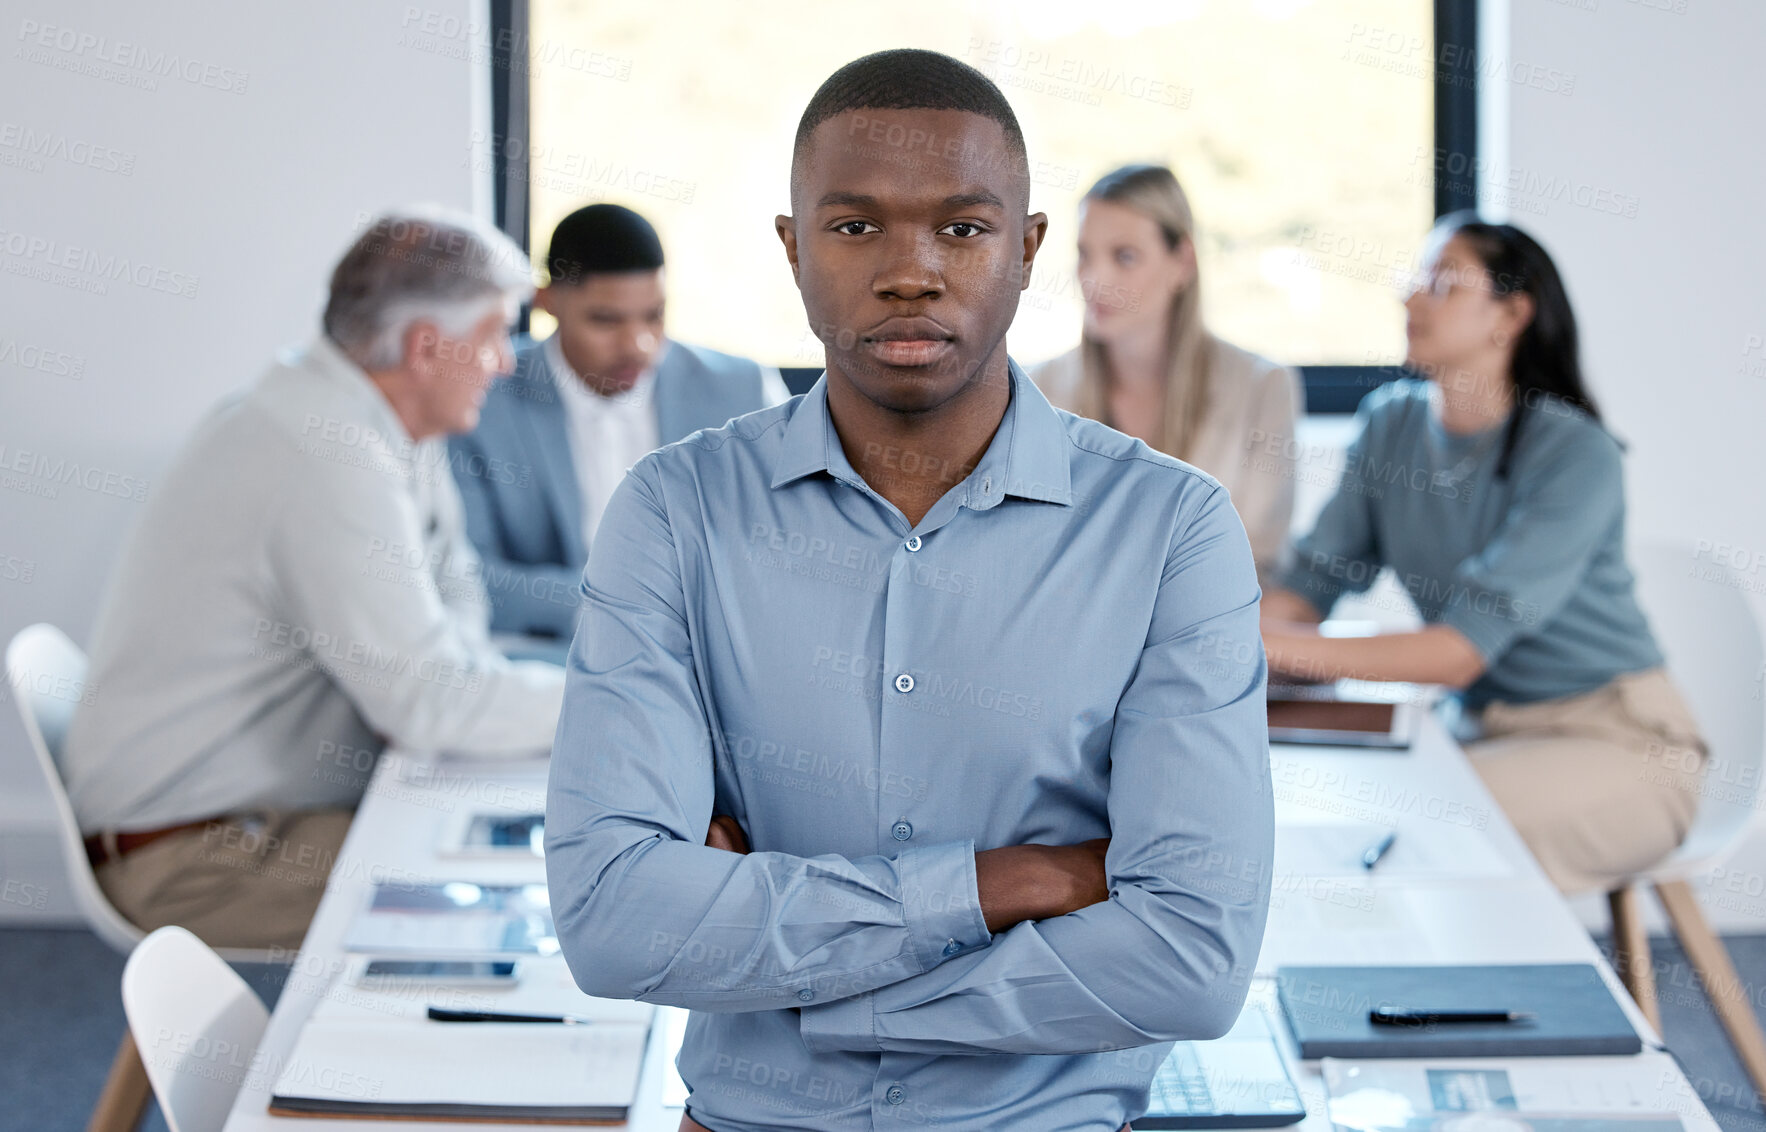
point(1170, 954)
point(1342, 554)
point(349, 559)
point(540, 599)
point(643, 908)
point(1564, 508)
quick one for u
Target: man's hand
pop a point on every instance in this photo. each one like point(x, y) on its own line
point(1016, 883)
point(1038, 882)
point(726, 834)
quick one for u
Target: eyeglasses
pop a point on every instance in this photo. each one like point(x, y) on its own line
point(1439, 283)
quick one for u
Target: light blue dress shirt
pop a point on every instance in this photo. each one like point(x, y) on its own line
point(1065, 647)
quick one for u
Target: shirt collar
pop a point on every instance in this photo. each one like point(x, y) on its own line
point(1027, 457)
point(415, 462)
point(326, 357)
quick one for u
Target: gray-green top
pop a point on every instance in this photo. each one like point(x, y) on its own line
point(1530, 568)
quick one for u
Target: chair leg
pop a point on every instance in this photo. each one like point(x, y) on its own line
point(1631, 952)
point(126, 1091)
point(1728, 994)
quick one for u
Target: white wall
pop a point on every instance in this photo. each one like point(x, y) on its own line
point(142, 146)
point(1662, 123)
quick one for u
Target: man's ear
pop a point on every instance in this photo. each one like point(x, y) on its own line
point(422, 342)
point(786, 227)
point(542, 300)
point(1036, 228)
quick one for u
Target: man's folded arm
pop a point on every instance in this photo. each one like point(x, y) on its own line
point(1170, 954)
point(645, 910)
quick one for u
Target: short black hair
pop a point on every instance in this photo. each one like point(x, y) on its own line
point(601, 239)
point(910, 79)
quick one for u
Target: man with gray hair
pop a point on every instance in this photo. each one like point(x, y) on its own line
point(300, 593)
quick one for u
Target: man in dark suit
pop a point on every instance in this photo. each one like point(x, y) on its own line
point(555, 439)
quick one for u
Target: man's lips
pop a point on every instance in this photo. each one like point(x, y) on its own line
point(908, 351)
point(907, 342)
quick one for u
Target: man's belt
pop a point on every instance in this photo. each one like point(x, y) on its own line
point(113, 846)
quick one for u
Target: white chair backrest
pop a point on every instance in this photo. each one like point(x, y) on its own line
point(48, 677)
point(48, 672)
point(197, 1025)
point(1712, 641)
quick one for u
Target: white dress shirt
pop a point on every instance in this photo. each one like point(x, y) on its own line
point(299, 589)
point(608, 434)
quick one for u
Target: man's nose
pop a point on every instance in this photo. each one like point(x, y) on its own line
point(912, 269)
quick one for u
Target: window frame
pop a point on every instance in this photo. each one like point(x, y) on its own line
point(1330, 389)
point(511, 126)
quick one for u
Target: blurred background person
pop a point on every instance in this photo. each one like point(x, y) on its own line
point(583, 406)
point(1147, 365)
point(300, 593)
point(1494, 492)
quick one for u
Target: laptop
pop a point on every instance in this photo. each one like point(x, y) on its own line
point(1347, 713)
point(1237, 1081)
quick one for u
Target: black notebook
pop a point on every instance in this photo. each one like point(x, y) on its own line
point(1573, 1011)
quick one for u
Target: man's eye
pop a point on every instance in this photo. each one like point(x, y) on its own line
point(854, 227)
point(973, 230)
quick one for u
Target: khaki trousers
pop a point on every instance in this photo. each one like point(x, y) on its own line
point(249, 880)
point(1600, 786)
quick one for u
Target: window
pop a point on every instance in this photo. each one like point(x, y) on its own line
point(1304, 132)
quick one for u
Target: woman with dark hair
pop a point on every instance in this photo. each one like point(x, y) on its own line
point(1494, 493)
point(1146, 364)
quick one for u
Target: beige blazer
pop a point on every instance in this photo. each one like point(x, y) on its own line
point(1246, 439)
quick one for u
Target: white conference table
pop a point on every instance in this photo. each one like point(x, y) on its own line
point(1456, 887)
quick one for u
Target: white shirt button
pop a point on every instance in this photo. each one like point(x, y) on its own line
point(904, 683)
point(913, 544)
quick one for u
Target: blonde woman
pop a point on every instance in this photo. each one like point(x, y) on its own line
point(1147, 366)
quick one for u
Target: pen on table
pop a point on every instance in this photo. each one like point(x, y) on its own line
point(437, 1014)
point(1372, 854)
point(1394, 1016)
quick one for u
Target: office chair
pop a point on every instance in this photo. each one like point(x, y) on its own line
point(48, 675)
point(1712, 642)
point(197, 1024)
